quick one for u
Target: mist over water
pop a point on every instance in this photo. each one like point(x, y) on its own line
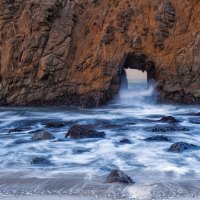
point(138, 92)
point(81, 165)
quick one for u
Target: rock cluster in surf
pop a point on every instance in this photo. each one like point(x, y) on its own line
point(87, 133)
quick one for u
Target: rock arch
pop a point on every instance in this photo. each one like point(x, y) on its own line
point(140, 62)
point(72, 52)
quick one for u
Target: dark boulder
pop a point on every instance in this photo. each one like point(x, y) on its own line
point(17, 130)
point(39, 161)
point(42, 135)
point(54, 124)
point(158, 138)
point(81, 131)
point(181, 146)
point(125, 141)
point(117, 176)
point(168, 119)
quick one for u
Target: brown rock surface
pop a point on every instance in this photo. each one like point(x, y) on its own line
point(81, 131)
point(73, 52)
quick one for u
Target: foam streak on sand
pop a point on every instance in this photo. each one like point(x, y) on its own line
point(65, 197)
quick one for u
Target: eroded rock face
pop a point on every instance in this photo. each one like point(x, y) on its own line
point(73, 52)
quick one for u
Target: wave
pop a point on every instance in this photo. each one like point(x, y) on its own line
point(137, 92)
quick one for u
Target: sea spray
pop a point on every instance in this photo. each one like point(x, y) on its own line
point(137, 92)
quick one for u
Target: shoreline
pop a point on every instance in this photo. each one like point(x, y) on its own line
point(62, 187)
point(68, 197)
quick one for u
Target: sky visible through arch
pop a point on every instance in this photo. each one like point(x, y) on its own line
point(134, 74)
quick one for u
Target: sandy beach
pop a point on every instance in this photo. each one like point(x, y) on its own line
point(63, 197)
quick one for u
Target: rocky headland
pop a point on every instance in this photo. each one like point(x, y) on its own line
point(64, 52)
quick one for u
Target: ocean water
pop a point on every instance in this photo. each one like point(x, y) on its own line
point(80, 166)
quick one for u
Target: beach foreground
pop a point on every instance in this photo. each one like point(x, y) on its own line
point(66, 197)
point(61, 167)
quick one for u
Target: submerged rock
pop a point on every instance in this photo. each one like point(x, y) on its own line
point(29, 123)
point(42, 135)
point(181, 146)
point(81, 150)
point(54, 124)
point(168, 119)
point(40, 161)
point(111, 126)
point(159, 138)
point(125, 141)
point(195, 121)
point(22, 141)
point(168, 129)
point(194, 113)
point(35, 131)
point(17, 130)
point(81, 131)
point(117, 176)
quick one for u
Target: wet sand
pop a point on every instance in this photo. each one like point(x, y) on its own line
point(51, 197)
point(63, 197)
point(29, 188)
